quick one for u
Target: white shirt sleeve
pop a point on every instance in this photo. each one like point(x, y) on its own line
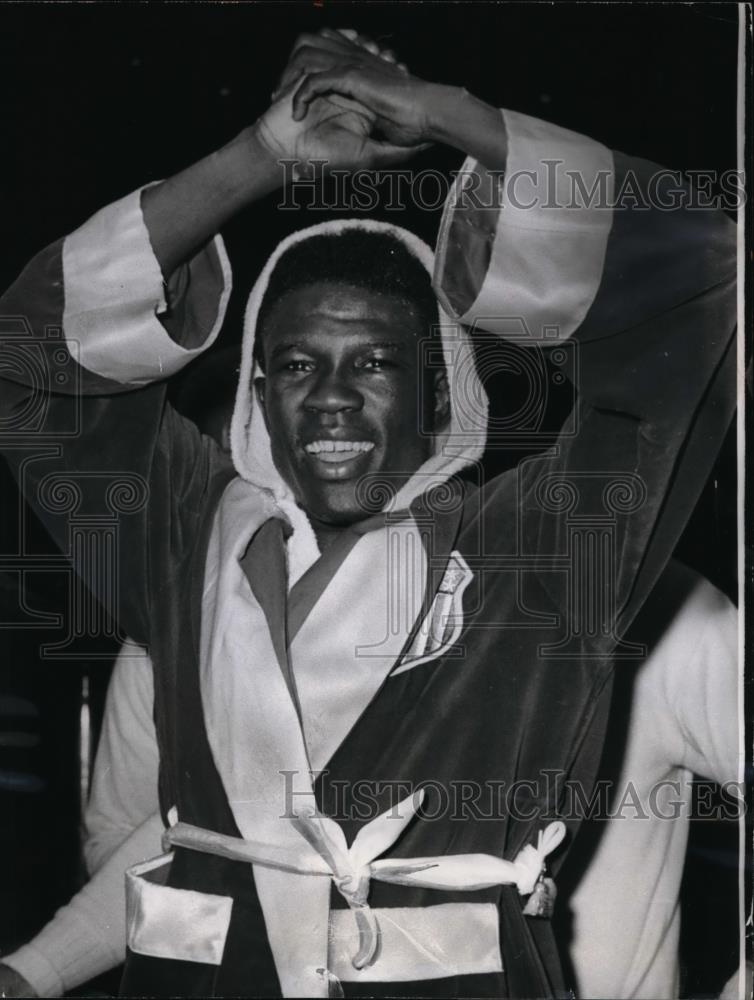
point(679, 711)
point(124, 780)
point(700, 686)
point(87, 936)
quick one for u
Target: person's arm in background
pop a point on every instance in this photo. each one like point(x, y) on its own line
point(87, 936)
point(700, 685)
point(673, 714)
point(126, 768)
point(740, 986)
point(701, 695)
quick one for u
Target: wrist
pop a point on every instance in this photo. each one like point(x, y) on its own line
point(459, 119)
point(439, 101)
point(249, 167)
point(13, 984)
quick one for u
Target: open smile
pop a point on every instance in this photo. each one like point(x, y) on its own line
point(335, 459)
point(338, 451)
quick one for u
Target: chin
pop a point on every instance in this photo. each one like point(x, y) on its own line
point(336, 508)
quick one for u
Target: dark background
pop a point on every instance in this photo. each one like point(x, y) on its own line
point(98, 99)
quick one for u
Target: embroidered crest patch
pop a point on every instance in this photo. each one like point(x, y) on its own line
point(443, 623)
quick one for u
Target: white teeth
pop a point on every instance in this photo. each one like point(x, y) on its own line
point(318, 447)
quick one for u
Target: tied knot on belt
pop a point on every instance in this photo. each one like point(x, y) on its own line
point(352, 869)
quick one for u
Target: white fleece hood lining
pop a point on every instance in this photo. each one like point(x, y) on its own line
point(461, 443)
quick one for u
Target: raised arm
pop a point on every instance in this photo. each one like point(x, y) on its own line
point(544, 224)
point(548, 236)
point(90, 331)
point(185, 211)
point(120, 305)
point(612, 256)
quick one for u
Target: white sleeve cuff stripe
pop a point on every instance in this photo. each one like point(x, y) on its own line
point(114, 292)
point(542, 278)
point(551, 233)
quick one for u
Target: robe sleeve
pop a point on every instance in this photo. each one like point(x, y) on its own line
point(574, 245)
point(89, 334)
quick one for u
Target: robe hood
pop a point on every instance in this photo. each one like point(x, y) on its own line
point(460, 444)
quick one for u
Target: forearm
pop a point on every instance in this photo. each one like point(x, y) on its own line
point(185, 211)
point(460, 120)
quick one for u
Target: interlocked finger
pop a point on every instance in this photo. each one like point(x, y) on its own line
point(310, 59)
point(362, 42)
point(330, 49)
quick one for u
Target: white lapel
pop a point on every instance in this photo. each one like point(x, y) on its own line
point(355, 632)
point(256, 741)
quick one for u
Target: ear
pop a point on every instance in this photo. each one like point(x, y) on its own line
point(259, 387)
point(442, 400)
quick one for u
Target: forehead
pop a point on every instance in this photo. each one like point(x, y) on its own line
point(323, 307)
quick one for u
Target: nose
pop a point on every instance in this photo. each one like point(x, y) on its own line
point(333, 393)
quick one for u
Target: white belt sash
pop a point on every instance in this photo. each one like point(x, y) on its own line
point(324, 851)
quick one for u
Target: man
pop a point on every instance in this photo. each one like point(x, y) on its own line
point(623, 915)
point(625, 910)
point(293, 629)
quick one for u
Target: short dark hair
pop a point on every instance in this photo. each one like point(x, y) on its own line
point(377, 262)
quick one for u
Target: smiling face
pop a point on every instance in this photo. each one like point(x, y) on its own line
point(341, 395)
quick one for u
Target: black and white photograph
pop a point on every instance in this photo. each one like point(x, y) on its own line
point(374, 552)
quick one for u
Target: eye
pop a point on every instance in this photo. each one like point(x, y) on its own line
point(376, 364)
point(298, 365)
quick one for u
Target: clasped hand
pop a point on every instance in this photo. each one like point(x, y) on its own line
point(345, 100)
